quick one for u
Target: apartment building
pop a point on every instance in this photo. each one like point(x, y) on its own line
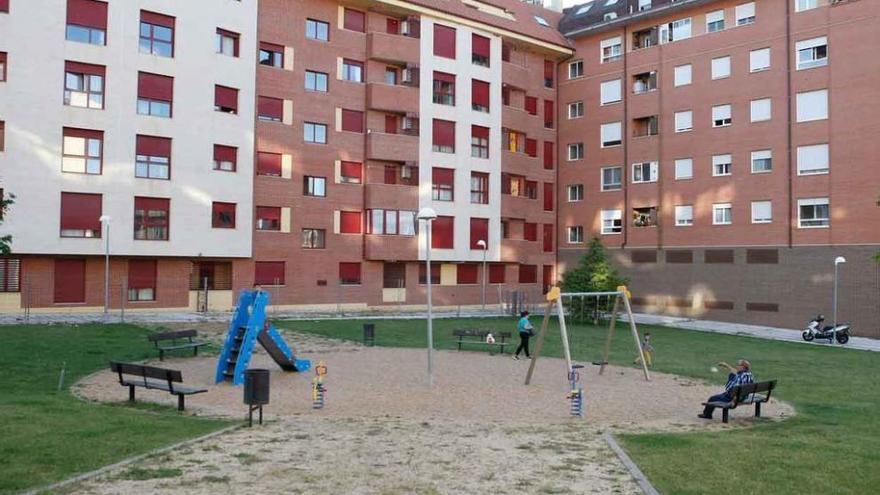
point(725, 151)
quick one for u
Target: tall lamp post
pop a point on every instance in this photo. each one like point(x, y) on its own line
point(105, 223)
point(482, 245)
point(429, 215)
point(837, 262)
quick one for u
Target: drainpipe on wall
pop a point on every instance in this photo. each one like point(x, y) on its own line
point(791, 158)
point(558, 159)
point(624, 176)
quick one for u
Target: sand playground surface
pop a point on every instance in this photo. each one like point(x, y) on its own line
point(384, 431)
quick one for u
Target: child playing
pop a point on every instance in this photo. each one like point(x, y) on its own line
point(647, 351)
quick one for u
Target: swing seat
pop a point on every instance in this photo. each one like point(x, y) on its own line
point(600, 363)
point(576, 366)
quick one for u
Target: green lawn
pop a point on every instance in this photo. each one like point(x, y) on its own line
point(46, 435)
point(831, 446)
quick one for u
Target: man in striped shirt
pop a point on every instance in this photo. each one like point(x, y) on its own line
point(740, 375)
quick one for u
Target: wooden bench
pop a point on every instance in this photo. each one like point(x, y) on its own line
point(152, 378)
point(182, 339)
point(751, 393)
point(478, 337)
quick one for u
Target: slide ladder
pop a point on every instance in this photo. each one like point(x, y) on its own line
point(249, 327)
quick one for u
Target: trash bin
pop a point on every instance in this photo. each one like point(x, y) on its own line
point(256, 392)
point(369, 334)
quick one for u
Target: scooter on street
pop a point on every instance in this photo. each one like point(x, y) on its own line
point(818, 330)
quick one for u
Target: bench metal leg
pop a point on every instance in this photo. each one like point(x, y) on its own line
point(757, 409)
point(180, 402)
point(161, 355)
point(725, 415)
point(196, 351)
point(131, 393)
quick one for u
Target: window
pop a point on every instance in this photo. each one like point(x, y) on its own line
point(646, 126)
point(354, 20)
point(151, 218)
point(644, 5)
point(479, 141)
point(549, 73)
point(720, 67)
point(684, 216)
point(480, 46)
point(314, 238)
point(576, 235)
point(315, 133)
point(531, 105)
point(530, 231)
point(610, 134)
point(3, 64)
point(575, 151)
point(349, 273)
point(576, 69)
point(268, 218)
point(352, 70)
point(316, 81)
point(269, 273)
point(759, 60)
point(444, 41)
point(812, 105)
point(142, 280)
point(225, 99)
point(70, 281)
point(684, 168)
point(435, 273)
point(745, 14)
point(10, 275)
point(270, 109)
point(350, 222)
point(351, 172)
point(514, 142)
point(155, 95)
point(761, 110)
point(479, 188)
point(226, 43)
point(610, 92)
point(644, 82)
point(157, 34)
point(548, 114)
point(762, 211)
point(442, 184)
point(721, 165)
point(2, 145)
point(675, 31)
point(479, 232)
point(813, 213)
point(812, 53)
point(721, 116)
point(762, 161)
point(528, 274)
point(314, 186)
point(83, 85)
point(86, 21)
point(612, 222)
point(576, 110)
point(317, 30)
point(496, 273)
point(802, 5)
point(812, 159)
point(611, 49)
point(80, 214)
point(225, 158)
point(271, 55)
point(443, 233)
point(531, 189)
point(644, 172)
point(684, 121)
point(612, 178)
point(223, 215)
point(722, 214)
point(467, 273)
point(391, 222)
point(714, 21)
point(391, 75)
point(548, 155)
point(548, 196)
point(444, 88)
point(352, 121)
point(153, 158)
point(443, 136)
point(82, 151)
point(575, 193)
point(480, 96)
point(683, 75)
point(269, 164)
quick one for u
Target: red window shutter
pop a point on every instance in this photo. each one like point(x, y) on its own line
point(528, 274)
point(141, 274)
point(480, 45)
point(270, 213)
point(548, 196)
point(390, 174)
point(223, 215)
point(480, 93)
point(355, 20)
point(548, 238)
point(350, 273)
point(350, 222)
point(81, 68)
point(435, 273)
point(269, 273)
point(352, 170)
point(155, 87)
point(530, 231)
point(226, 154)
point(226, 97)
point(444, 41)
point(86, 13)
point(157, 19)
point(392, 26)
point(480, 132)
point(444, 77)
point(479, 232)
point(154, 146)
point(271, 47)
point(390, 124)
point(496, 273)
point(532, 105)
point(466, 273)
point(443, 233)
point(352, 121)
point(444, 133)
point(83, 133)
point(151, 204)
point(548, 276)
point(272, 108)
point(548, 113)
point(268, 164)
point(443, 176)
point(532, 147)
point(548, 155)
point(81, 211)
point(549, 72)
point(70, 281)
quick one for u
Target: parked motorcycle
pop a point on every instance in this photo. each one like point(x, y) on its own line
point(818, 330)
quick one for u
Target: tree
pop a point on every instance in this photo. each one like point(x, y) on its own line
point(6, 240)
point(594, 274)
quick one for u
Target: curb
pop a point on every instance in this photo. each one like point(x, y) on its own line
point(634, 470)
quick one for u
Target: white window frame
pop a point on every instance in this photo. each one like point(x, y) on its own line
point(718, 115)
point(725, 161)
point(759, 60)
point(680, 118)
point(680, 71)
point(745, 14)
point(819, 152)
point(814, 202)
point(578, 148)
point(819, 96)
point(721, 67)
point(762, 155)
point(639, 169)
point(575, 234)
point(610, 92)
point(721, 207)
point(610, 126)
point(578, 190)
point(811, 48)
point(684, 215)
point(615, 217)
point(677, 30)
point(757, 216)
point(761, 109)
point(608, 187)
point(713, 19)
point(680, 165)
point(575, 74)
point(615, 52)
point(578, 107)
point(803, 5)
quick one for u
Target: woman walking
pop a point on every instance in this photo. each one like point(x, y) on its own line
point(525, 333)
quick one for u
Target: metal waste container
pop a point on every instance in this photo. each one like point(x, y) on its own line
point(369, 334)
point(256, 392)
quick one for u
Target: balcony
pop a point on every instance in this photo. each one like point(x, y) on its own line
point(393, 48)
point(391, 197)
point(392, 147)
point(391, 247)
point(517, 76)
point(393, 98)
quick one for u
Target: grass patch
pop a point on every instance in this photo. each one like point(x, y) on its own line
point(141, 474)
point(829, 447)
point(47, 435)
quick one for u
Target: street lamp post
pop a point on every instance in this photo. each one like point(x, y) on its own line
point(482, 245)
point(837, 262)
point(429, 215)
point(105, 222)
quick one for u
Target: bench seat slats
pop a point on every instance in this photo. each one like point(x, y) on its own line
point(182, 346)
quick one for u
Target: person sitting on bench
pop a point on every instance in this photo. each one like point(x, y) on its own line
point(740, 375)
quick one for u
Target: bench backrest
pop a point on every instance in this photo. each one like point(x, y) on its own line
point(182, 334)
point(146, 372)
point(743, 393)
point(472, 332)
